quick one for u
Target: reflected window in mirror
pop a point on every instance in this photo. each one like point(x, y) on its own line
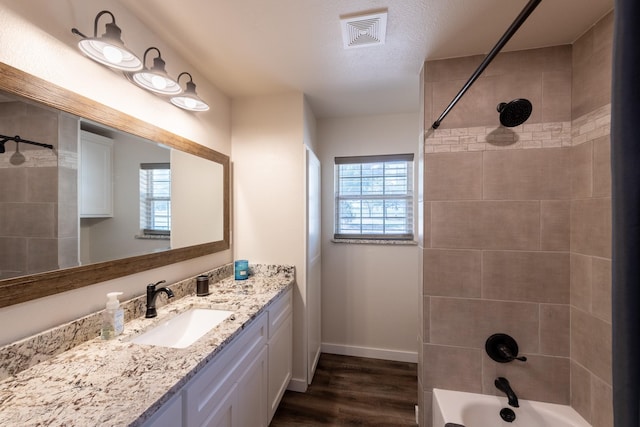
point(155, 200)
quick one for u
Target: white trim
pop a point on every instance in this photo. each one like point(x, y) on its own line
point(374, 353)
point(298, 385)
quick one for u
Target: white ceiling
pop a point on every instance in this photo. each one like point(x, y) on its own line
point(254, 47)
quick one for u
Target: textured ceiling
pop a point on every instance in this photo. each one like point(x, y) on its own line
point(253, 47)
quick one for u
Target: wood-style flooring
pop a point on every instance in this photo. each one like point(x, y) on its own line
point(353, 391)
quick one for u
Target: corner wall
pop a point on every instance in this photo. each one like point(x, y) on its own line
point(368, 291)
point(591, 392)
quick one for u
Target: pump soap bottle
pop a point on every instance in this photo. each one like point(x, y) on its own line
point(113, 320)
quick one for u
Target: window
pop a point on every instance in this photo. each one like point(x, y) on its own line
point(374, 197)
point(155, 199)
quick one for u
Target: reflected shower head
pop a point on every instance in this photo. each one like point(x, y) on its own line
point(514, 113)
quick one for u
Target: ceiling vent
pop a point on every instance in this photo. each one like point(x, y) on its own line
point(364, 30)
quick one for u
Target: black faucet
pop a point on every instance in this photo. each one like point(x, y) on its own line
point(152, 293)
point(502, 384)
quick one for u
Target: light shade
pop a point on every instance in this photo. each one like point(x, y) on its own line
point(189, 100)
point(109, 49)
point(156, 79)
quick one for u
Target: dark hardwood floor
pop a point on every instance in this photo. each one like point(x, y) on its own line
point(353, 391)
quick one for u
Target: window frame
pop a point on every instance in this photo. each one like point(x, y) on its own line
point(145, 203)
point(407, 197)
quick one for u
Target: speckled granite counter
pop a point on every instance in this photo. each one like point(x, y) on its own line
point(118, 383)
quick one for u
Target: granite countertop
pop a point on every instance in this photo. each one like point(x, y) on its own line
point(119, 383)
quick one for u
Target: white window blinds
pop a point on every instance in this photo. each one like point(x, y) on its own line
point(374, 197)
point(155, 199)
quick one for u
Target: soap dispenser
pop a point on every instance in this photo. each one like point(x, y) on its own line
point(113, 320)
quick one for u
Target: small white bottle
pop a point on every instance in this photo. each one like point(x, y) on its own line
point(113, 320)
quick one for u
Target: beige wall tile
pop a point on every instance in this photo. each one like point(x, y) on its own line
point(14, 184)
point(42, 255)
point(426, 323)
point(451, 69)
point(601, 403)
point(452, 273)
point(602, 167)
point(581, 391)
point(43, 185)
point(555, 225)
point(580, 283)
point(582, 170)
point(601, 288)
point(452, 368)
point(591, 343)
point(427, 225)
point(591, 227)
point(526, 276)
point(592, 69)
point(486, 225)
point(476, 108)
point(556, 95)
point(554, 330)
point(453, 176)
point(28, 220)
point(539, 378)
point(13, 255)
point(429, 115)
point(527, 174)
point(469, 322)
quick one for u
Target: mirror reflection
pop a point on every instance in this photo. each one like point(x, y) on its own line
point(100, 195)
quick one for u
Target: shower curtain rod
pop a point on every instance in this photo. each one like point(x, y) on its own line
point(496, 49)
point(17, 138)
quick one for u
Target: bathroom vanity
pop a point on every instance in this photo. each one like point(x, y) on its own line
point(244, 362)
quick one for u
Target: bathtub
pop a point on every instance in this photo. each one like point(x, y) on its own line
point(456, 408)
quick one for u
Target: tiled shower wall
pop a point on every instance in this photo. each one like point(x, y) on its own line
point(509, 216)
point(38, 230)
point(591, 393)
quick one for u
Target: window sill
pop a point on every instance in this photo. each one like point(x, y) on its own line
point(389, 242)
point(150, 237)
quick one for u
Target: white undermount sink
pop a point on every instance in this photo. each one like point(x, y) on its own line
point(183, 330)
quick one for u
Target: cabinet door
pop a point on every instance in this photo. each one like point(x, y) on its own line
point(252, 394)
point(280, 363)
point(226, 413)
point(170, 415)
point(96, 176)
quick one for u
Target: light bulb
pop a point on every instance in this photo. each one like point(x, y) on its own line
point(190, 102)
point(159, 82)
point(112, 54)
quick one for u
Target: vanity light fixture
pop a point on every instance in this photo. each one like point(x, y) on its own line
point(109, 49)
point(156, 79)
point(189, 100)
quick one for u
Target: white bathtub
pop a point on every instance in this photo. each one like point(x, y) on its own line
point(480, 410)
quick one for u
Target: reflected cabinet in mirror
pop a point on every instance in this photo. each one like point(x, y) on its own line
point(91, 194)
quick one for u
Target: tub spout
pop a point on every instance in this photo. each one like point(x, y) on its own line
point(503, 385)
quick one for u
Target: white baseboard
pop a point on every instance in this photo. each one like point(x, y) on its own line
point(374, 353)
point(298, 385)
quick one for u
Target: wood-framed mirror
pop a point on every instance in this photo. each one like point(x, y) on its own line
point(24, 288)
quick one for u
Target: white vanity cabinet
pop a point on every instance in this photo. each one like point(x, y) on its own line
point(95, 176)
point(280, 349)
point(244, 384)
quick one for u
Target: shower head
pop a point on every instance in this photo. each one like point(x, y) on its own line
point(514, 113)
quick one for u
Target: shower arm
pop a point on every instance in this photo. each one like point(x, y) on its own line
point(4, 138)
point(490, 56)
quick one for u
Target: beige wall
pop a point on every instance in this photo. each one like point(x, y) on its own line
point(269, 195)
point(591, 393)
point(518, 227)
point(368, 296)
point(36, 38)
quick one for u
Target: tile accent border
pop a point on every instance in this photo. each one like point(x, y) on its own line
point(592, 125)
point(485, 138)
